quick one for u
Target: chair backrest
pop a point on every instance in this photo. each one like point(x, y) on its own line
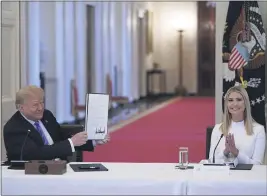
point(109, 85)
point(74, 98)
point(208, 139)
point(67, 130)
point(71, 129)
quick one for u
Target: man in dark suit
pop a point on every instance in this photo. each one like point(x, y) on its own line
point(33, 133)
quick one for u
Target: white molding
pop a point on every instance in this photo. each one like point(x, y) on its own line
point(10, 20)
point(23, 44)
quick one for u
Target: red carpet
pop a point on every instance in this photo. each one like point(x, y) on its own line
point(157, 136)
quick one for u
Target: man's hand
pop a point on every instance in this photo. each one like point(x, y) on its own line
point(80, 138)
point(104, 141)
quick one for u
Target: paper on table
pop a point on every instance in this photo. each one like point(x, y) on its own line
point(96, 118)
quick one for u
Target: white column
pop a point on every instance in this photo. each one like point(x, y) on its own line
point(80, 49)
point(69, 29)
point(23, 43)
point(34, 44)
point(47, 38)
point(124, 47)
point(98, 69)
point(135, 43)
point(47, 52)
point(105, 43)
point(126, 50)
point(221, 13)
point(59, 30)
point(113, 49)
point(119, 45)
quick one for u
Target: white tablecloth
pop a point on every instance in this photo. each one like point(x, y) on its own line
point(136, 179)
point(253, 182)
point(121, 179)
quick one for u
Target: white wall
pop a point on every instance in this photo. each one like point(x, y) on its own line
point(168, 17)
point(10, 62)
point(221, 12)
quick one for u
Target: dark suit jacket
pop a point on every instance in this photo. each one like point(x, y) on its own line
point(16, 130)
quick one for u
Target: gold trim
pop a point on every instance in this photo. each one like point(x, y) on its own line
point(260, 53)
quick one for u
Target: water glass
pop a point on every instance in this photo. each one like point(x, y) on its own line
point(183, 158)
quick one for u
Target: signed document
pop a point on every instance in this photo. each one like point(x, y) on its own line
point(96, 118)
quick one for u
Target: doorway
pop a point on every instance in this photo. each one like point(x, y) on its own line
point(90, 16)
point(206, 49)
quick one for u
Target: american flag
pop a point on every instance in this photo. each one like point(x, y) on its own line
point(239, 57)
point(244, 33)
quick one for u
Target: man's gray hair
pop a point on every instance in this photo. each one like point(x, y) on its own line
point(27, 91)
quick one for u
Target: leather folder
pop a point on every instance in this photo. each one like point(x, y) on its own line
point(88, 167)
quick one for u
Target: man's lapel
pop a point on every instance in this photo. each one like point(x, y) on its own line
point(48, 126)
point(34, 133)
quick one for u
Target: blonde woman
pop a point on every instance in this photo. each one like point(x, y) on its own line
point(242, 137)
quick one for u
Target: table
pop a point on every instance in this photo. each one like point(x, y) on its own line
point(121, 179)
point(253, 182)
point(150, 82)
point(136, 179)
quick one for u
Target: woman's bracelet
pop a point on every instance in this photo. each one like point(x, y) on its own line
point(226, 154)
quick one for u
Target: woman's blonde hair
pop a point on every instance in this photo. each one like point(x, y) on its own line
point(227, 118)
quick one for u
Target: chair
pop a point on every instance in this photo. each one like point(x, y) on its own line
point(75, 107)
point(208, 138)
point(114, 99)
point(68, 130)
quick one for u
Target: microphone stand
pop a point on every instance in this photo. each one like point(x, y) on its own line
point(20, 164)
point(213, 157)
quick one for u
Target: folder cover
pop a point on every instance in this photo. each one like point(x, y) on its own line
point(243, 167)
point(88, 167)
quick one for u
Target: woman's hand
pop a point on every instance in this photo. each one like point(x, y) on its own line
point(230, 144)
point(227, 148)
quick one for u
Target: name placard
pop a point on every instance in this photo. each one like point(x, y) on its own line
point(204, 170)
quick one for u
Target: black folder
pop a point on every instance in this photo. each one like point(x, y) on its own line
point(238, 167)
point(243, 167)
point(88, 167)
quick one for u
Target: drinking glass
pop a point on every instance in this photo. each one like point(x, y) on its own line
point(231, 157)
point(183, 158)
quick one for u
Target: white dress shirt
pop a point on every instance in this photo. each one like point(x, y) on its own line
point(47, 135)
point(251, 147)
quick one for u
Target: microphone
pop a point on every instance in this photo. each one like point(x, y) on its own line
point(20, 164)
point(22, 148)
point(213, 158)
